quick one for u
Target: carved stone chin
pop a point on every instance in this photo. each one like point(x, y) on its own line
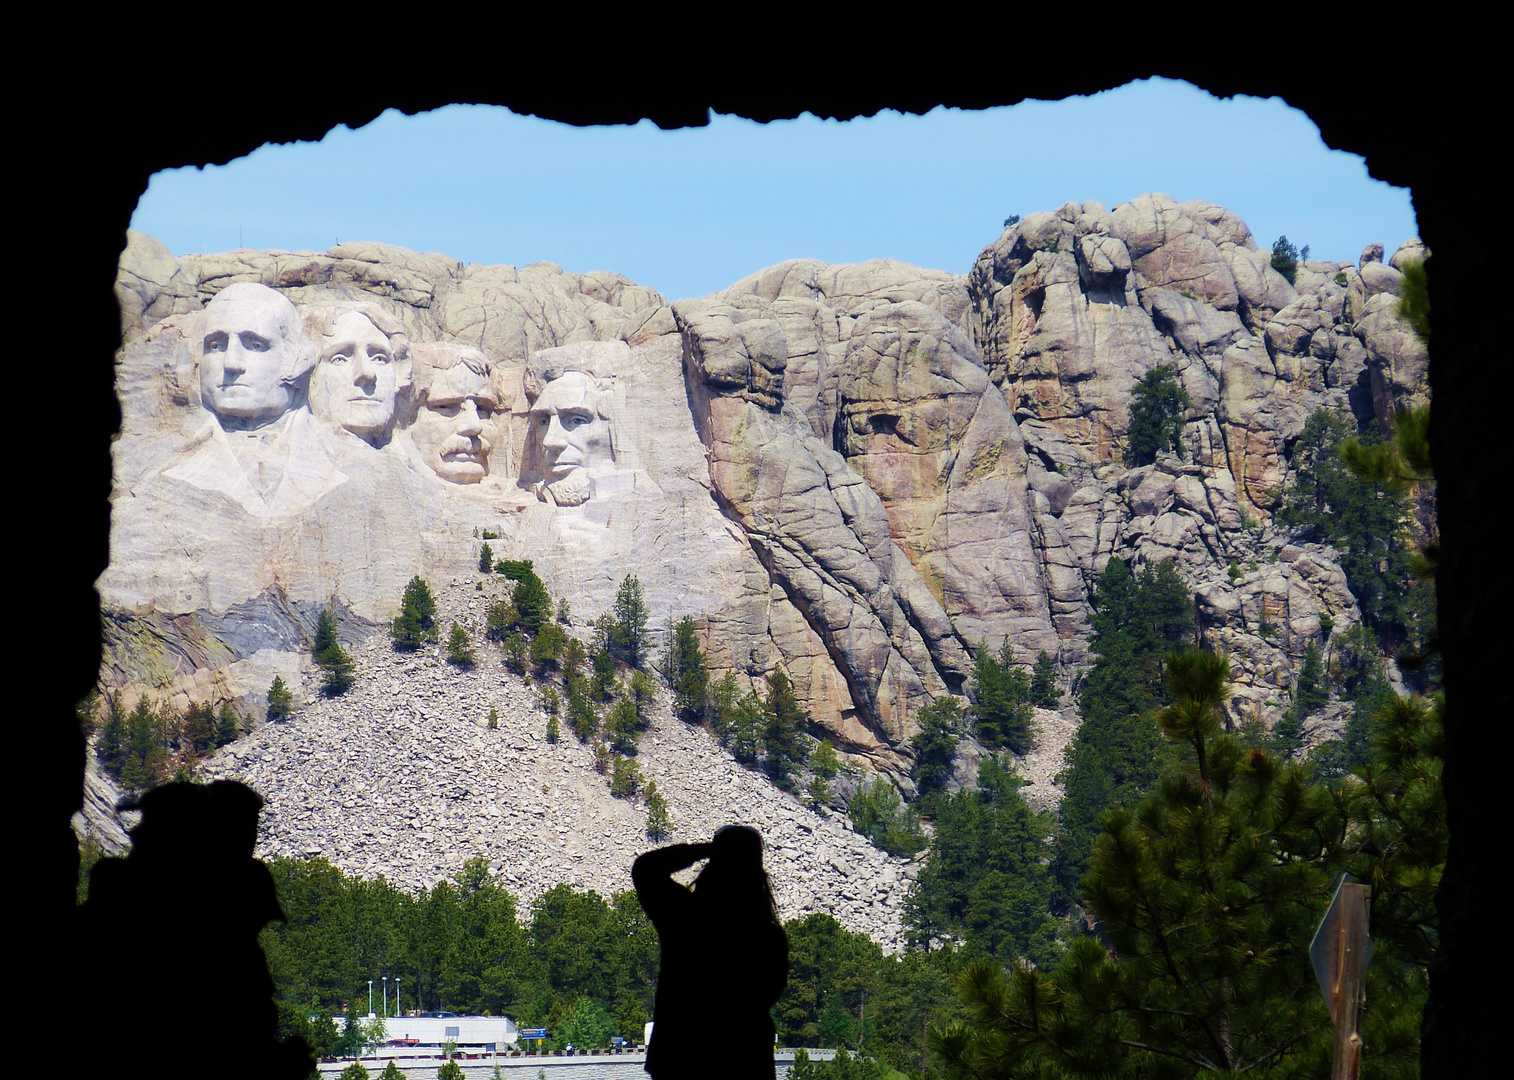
point(572, 490)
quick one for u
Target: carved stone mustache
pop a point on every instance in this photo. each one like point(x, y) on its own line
point(457, 444)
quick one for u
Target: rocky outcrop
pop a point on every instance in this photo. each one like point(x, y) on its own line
point(854, 473)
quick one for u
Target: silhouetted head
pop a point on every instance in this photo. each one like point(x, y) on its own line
point(196, 820)
point(733, 883)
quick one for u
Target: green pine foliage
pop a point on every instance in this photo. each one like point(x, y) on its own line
point(934, 746)
point(533, 605)
point(659, 822)
point(450, 1070)
point(1207, 893)
point(460, 646)
point(878, 813)
point(583, 718)
point(355, 1071)
point(416, 622)
point(784, 740)
point(1002, 711)
point(391, 1072)
point(485, 559)
point(1365, 522)
point(1043, 682)
point(1286, 257)
point(725, 695)
point(493, 718)
point(280, 700)
point(628, 636)
point(547, 647)
point(1157, 404)
point(987, 880)
point(1117, 752)
point(337, 667)
point(602, 666)
point(514, 650)
point(686, 670)
point(623, 726)
point(228, 724)
point(499, 619)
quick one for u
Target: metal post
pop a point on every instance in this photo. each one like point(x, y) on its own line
point(386, 996)
point(370, 997)
point(1351, 980)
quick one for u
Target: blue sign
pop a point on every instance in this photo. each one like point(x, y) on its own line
point(533, 1033)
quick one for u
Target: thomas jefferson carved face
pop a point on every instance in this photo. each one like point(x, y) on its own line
point(449, 428)
point(360, 374)
point(566, 418)
point(253, 356)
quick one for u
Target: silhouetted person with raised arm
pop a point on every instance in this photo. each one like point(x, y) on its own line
point(172, 938)
point(725, 958)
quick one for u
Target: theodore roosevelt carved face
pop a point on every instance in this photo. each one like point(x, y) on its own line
point(254, 356)
point(364, 368)
point(449, 426)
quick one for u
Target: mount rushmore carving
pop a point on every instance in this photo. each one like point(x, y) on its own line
point(855, 473)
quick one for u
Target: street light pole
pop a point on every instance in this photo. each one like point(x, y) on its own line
point(370, 997)
point(386, 997)
point(397, 1010)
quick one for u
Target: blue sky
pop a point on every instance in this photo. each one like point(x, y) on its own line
point(691, 211)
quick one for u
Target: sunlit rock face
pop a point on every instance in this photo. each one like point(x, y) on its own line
point(853, 473)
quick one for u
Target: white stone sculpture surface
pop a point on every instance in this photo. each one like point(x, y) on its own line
point(456, 408)
point(364, 373)
point(575, 440)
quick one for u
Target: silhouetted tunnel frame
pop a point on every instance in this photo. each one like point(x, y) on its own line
point(1418, 141)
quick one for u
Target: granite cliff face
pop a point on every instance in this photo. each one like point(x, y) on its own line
point(855, 473)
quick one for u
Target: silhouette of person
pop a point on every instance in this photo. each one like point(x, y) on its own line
point(173, 934)
point(725, 958)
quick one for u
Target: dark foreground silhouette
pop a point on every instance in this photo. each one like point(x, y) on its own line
point(170, 941)
point(724, 958)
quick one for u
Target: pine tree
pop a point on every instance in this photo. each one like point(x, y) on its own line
point(280, 700)
point(554, 728)
point(493, 718)
point(460, 646)
point(1286, 257)
point(1311, 694)
point(748, 721)
point(659, 824)
point(337, 667)
point(625, 780)
point(623, 726)
point(391, 1072)
point(582, 717)
point(1157, 404)
point(485, 559)
point(935, 747)
point(687, 672)
point(784, 738)
point(113, 735)
point(415, 624)
point(1043, 682)
point(724, 696)
point(1118, 752)
point(628, 639)
point(547, 647)
point(1003, 708)
point(355, 1071)
point(1206, 896)
point(533, 605)
point(450, 1070)
point(878, 813)
point(228, 725)
point(514, 651)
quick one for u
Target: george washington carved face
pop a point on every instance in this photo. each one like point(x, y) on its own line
point(254, 356)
